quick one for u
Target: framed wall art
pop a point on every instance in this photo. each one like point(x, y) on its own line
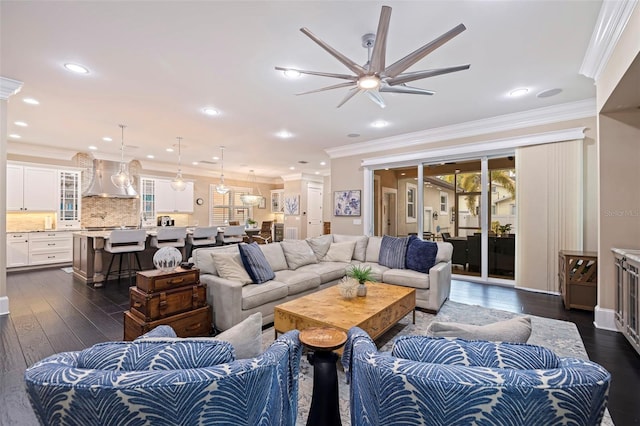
point(346, 203)
point(292, 204)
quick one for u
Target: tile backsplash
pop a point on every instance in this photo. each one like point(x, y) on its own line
point(99, 211)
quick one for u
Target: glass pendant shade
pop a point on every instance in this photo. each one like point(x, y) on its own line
point(221, 188)
point(251, 199)
point(178, 183)
point(122, 178)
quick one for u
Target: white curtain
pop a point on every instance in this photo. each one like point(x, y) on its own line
point(549, 192)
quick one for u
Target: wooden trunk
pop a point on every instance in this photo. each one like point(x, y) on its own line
point(161, 304)
point(187, 324)
point(157, 280)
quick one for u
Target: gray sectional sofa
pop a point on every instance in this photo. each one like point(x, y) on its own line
point(305, 266)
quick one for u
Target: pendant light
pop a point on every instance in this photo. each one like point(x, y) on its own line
point(122, 178)
point(251, 199)
point(178, 183)
point(221, 188)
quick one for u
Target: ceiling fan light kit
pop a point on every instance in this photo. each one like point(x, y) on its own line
point(375, 77)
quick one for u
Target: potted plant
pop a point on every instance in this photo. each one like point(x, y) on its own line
point(362, 274)
point(504, 229)
point(251, 223)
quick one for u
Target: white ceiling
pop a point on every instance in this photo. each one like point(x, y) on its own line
point(154, 66)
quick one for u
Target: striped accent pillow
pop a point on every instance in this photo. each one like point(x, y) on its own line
point(393, 251)
point(256, 263)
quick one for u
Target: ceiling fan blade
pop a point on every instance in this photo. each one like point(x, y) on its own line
point(376, 98)
point(350, 94)
point(380, 44)
point(321, 74)
point(406, 89)
point(357, 69)
point(335, 86)
point(412, 76)
point(398, 67)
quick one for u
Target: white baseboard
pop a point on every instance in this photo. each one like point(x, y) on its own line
point(4, 305)
point(604, 319)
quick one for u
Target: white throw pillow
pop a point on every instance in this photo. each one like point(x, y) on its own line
point(373, 249)
point(298, 253)
point(230, 267)
point(360, 251)
point(245, 337)
point(514, 330)
point(320, 245)
point(340, 252)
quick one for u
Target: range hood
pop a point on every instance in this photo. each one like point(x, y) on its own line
point(101, 185)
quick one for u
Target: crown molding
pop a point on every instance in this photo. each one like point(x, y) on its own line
point(494, 147)
point(302, 176)
point(9, 87)
point(613, 18)
point(535, 117)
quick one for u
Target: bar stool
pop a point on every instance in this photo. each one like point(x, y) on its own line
point(121, 242)
point(202, 237)
point(170, 236)
point(233, 234)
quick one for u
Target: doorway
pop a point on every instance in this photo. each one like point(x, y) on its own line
point(389, 211)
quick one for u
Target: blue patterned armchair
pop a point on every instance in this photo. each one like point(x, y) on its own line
point(436, 381)
point(156, 382)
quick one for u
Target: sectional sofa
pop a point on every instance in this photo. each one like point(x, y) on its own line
point(305, 266)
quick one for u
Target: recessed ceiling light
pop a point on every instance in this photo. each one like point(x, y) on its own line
point(195, 163)
point(150, 156)
point(15, 136)
point(107, 139)
point(353, 135)
point(20, 123)
point(518, 92)
point(291, 73)
point(548, 93)
point(323, 163)
point(403, 174)
point(317, 173)
point(169, 149)
point(79, 69)
point(284, 134)
point(30, 101)
point(210, 111)
point(216, 158)
point(292, 168)
point(379, 123)
point(93, 147)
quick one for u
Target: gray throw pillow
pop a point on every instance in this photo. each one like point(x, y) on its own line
point(514, 330)
point(245, 337)
point(298, 253)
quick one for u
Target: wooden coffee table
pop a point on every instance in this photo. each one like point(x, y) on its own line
point(382, 307)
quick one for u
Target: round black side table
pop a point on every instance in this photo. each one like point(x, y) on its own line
point(323, 341)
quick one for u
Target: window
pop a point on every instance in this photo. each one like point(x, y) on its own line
point(444, 203)
point(411, 202)
point(228, 207)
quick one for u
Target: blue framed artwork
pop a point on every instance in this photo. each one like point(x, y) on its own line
point(346, 203)
point(292, 205)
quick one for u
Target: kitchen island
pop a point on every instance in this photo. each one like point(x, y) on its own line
point(90, 261)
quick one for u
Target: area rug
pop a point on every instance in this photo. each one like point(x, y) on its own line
point(560, 336)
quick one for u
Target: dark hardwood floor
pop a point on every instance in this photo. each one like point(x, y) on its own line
point(51, 312)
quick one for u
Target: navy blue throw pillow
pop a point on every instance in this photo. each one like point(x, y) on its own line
point(421, 255)
point(256, 263)
point(393, 251)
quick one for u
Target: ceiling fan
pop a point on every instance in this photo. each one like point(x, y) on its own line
point(374, 77)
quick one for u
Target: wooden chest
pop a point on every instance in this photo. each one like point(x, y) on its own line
point(157, 280)
point(187, 324)
point(161, 304)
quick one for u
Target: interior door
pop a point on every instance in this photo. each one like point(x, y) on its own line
point(389, 219)
point(314, 211)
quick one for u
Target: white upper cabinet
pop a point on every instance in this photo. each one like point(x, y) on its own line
point(169, 201)
point(69, 201)
point(31, 188)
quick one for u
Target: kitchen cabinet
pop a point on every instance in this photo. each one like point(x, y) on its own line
point(50, 247)
point(31, 188)
point(69, 199)
point(169, 201)
point(627, 302)
point(17, 249)
point(277, 201)
point(148, 201)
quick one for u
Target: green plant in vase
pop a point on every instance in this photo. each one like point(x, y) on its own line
point(362, 274)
